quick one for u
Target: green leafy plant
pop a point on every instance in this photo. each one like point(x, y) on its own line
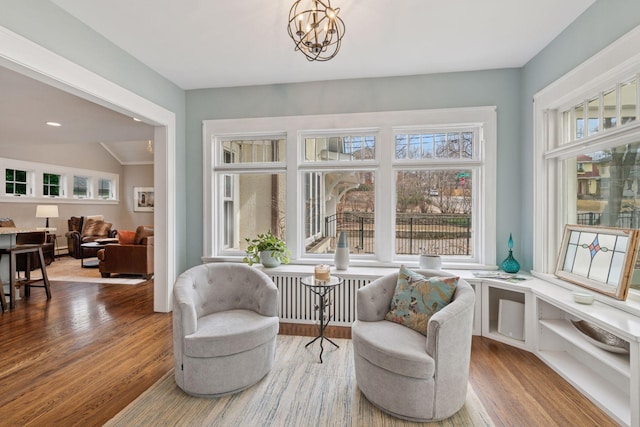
point(266, 242)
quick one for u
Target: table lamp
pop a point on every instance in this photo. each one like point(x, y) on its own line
point(47, 211)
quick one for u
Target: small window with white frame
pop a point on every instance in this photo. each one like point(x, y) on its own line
point(18, 182)
point(51, 185)
point(81, 187)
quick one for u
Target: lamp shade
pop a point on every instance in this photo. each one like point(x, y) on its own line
point(47, 211)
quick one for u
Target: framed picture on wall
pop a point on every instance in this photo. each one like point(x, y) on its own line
point(143, 199)
point(599, 258)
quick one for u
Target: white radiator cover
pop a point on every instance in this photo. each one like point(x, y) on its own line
point(298, 304)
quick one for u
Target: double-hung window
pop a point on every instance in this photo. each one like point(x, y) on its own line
point(250, 181)
point(587, 150)
point(434, 173)
point(397, 183)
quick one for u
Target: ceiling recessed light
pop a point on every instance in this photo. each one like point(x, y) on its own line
point(54, 124)
point(137, 119)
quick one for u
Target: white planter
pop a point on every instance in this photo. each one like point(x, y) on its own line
point(267, 260)
point(430, 262)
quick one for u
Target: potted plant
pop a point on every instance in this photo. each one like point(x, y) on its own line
point(266, 249)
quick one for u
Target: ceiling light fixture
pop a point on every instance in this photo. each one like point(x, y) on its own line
point(54, 124)
point(316, 29)
point(135, 119)
point(149, 146)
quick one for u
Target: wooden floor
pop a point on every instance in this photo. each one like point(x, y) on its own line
point(81, 357)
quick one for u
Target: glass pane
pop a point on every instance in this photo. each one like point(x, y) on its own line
point(21, 189)
point(605, 188)
point(578, 114)
point(594, 114)
point(335, 202)
point(433, 212)
point(21, 176)
point(9, 176)
point(452, 145)
point(257, 206)
point(80, 186)
point(104, 188)
point(253, 151)
point(609, 110)
point(628, 100)
point(339, 148)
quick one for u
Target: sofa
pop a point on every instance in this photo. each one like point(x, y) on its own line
point(84, 230)
point(133, 256)
point(48, 247)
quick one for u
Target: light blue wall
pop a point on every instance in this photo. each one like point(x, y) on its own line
point(510, 90)
point(600, 25)
point(480, 88)
point(47, 25)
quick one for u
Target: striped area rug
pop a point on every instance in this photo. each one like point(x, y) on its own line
point(299, 391)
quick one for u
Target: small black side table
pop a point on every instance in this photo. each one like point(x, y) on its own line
point(322, 288)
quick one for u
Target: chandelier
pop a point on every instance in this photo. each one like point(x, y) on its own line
point(316, 29)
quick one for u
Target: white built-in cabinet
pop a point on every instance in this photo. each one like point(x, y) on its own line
point(610, 380)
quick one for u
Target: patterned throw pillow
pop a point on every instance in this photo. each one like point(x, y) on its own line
point(417, 298)
point(126, 237)
point(96, 228)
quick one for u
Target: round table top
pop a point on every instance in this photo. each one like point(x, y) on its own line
point(311, 281)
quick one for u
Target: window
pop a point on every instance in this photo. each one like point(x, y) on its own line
point(81, 187)
point(396, 182)
point(50, 185)
point(434, 203)
point(251, 184)
point(587, 151)
point(44, 181)
point(104, 188)
point(16, 182)
point(341, 198)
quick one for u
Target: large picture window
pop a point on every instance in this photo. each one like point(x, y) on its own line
point(397, 183)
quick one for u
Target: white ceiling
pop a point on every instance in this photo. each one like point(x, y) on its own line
point(214, 43)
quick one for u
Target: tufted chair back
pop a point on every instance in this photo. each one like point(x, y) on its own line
point(214, 287)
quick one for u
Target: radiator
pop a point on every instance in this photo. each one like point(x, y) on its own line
point(298, 304)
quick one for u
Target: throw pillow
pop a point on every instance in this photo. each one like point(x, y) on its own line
point(126, 237)
point(96, 228)
point(142, 232)
point(417, 298)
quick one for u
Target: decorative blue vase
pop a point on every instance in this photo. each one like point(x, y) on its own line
point(510, 265)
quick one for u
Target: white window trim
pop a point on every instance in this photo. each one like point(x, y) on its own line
point(35, 172)
point(385, 123)
point(617, 62)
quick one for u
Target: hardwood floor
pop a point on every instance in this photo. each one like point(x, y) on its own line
point(81, 357)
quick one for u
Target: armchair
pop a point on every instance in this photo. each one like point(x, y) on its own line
point(407, 374)
point(129, 258)
point(84, 230)
point(225, 323)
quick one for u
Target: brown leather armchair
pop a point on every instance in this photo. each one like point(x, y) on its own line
point(84, 230)
point(135, 258)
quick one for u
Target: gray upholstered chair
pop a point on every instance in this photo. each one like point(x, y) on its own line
point(225, 323)
point(401, 371)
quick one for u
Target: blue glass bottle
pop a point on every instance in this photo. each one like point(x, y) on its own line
point(510, 265)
